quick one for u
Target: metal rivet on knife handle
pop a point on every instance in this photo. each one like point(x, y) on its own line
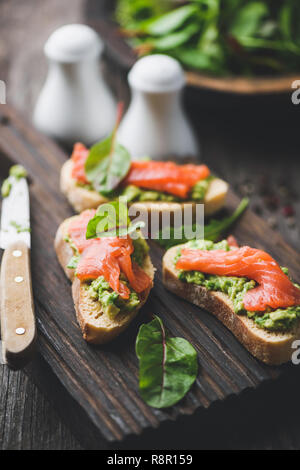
point(19, 279)
point(17, 253)
point(20, 331)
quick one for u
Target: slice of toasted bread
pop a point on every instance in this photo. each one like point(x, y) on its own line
point(270, 347)
point(97, 327)
point(81, 198)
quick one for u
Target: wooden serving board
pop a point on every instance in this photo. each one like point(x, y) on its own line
point(103, 381)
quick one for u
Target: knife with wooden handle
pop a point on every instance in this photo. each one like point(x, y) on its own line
point(18, 328)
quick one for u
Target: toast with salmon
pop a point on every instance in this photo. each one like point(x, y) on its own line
point(244, 288)
point(104, 300)
point(148, 185)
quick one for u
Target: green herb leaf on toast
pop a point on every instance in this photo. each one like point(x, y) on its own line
point(108, 162)
point(212, 231)
point(168, 367)
point(111, 220)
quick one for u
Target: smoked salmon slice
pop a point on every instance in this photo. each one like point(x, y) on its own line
point(274, 290)
point(107, 257)
point(77, 229)
point(97, 260)
point(167, 177)
point(79, 156)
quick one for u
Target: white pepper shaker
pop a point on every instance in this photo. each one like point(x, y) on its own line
point(155, 124)
point(75, 104)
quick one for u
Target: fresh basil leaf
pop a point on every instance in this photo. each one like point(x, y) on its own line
point(170, 21)
point(212, 231)
point(172, 40)
point(73, 262)
point(133, 12)
point(108, 216)
point(209, 44)
point(248, 19)
point(108, 162)
point(93, 231)
point(215, 228)
point(262, 43)
point(295, 26)
point(123, 231)
point(268, 29)
point(105, 168)
point(113, 214)
point(111, 220)
point(168, 367)
point(97, 154)
point(285, 21)
point(209, 9)
point(195, 59)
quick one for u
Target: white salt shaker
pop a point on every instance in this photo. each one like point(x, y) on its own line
point(155, 124)
point(75, 104)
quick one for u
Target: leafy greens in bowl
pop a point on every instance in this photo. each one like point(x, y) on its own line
point(218, 37)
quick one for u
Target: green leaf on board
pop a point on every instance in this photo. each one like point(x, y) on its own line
point(168, 366)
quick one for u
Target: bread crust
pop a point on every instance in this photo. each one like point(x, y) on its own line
point(97, 327)
point(81, 198)
point(272, 348)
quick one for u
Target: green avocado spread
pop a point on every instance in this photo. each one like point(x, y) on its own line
point(141, 250)
point(100, 290)
point(236, 288)
point(110, 300)
point(133, 193)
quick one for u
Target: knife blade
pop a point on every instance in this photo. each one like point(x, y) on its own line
point(18, 330)
point(15, 217)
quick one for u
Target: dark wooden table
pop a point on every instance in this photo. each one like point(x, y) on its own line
point(251, 142)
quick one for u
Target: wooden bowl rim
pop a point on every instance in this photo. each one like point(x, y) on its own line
point(243, 85)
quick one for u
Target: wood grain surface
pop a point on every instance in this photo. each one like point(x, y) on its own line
point(253, 143)
point(104, 380)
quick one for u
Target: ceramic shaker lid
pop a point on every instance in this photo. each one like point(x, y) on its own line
point(157, 73)
point(73, 42)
